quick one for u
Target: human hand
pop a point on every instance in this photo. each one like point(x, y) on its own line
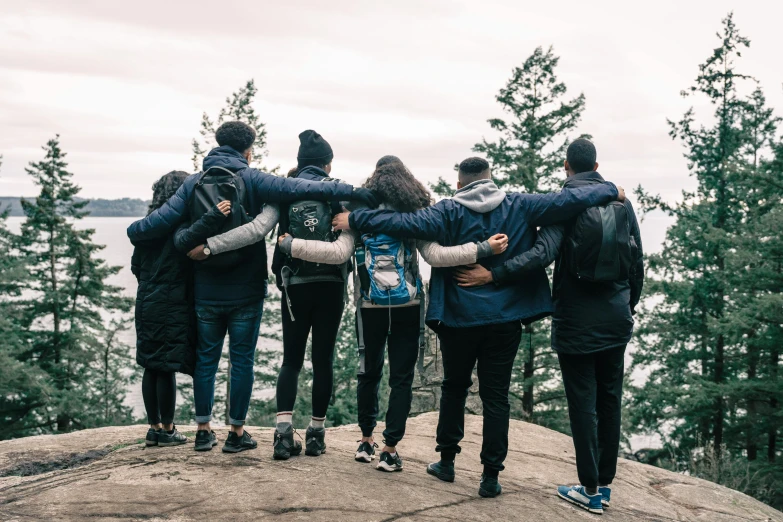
point(198, 254)
point(341, 222)
point(224, 207)
point(620, 193)
point(281, 238)
point(499, 243)
point(473, 275)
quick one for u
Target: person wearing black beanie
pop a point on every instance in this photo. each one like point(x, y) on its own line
point(313, 150)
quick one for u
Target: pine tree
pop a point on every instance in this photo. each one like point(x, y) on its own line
point(239, 106)
point(67, 301)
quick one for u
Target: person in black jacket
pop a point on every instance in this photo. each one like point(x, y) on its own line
point(165, 315)
point(591, 326)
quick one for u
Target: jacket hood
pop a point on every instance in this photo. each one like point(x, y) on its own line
point(480, 196)
point(225, 157)
point(311, 172)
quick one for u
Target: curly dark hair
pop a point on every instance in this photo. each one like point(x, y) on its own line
point(236, 134)
point(165, 187)
point(395, 185)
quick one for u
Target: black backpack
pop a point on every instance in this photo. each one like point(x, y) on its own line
point(312, 220)
point(213, 186)
point(600, 246)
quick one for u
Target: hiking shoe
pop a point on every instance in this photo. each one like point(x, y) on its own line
point(315, 444)
point(174, 438)
point(366, 452)
point(205, 440)
point(285, 446)
point(389, 462)
point(606, 493)
point(152, 437)
point(489, 487)
point(444, 472)
point(234, 443)
point(577, 495)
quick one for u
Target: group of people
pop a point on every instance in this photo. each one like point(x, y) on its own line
point(201, 262)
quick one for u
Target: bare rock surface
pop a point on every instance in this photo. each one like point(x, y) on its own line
point(108, 475)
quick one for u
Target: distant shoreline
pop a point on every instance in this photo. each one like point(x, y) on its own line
point(125, 207)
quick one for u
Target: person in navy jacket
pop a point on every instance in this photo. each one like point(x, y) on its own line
point(231, 300)
point(482, 324)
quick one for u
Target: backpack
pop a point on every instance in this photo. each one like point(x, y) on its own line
point(600, 246)
point(213, 186)
point(392, 277)
point(312, 220)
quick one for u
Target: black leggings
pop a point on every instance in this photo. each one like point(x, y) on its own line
point(317, 306)
point(159, 390)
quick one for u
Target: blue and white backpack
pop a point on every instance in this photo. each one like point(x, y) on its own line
point(392, 270)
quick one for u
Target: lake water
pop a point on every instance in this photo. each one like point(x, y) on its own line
point(110, 231)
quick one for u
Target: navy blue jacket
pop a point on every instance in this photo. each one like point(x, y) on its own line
point(451, 223)
point(246, 283)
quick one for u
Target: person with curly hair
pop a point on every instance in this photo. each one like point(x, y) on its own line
point(378, 324)
point(165, 313)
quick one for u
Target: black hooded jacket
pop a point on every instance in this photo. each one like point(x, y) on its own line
point(588, 316)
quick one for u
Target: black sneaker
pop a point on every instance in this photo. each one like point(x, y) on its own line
point(285, 446)
point(366, 452)
point(205, 440)
point(174, 438)
point(387, 462)
point(315, 444)
point(489, 487)
point(234, 443)
point(152, 437)
point(443, 471)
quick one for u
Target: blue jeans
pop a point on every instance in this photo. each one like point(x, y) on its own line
point(242, 324)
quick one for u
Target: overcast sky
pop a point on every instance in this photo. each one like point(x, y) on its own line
point(125, 83)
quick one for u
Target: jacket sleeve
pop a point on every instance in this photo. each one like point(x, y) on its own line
point(248, 233)
point(188, 237)
point(547, 209)
point(636, 279)
point(276, 189)
point(334, 253)
point(165, 220)
point(428, 223)
point(544, 252)
point(440, 256)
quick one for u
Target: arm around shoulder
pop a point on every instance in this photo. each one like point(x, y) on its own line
point(334, 253)
point(248, 233)
point(437, 255)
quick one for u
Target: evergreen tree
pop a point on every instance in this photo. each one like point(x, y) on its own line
point(239, 106)
point(67, 302)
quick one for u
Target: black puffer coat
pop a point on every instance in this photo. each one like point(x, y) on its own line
point(165, 311)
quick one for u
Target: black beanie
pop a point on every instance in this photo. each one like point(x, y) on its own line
point(314, 149)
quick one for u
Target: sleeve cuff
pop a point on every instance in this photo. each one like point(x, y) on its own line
point(287, 245)
point(499, 274)
point(484, 250)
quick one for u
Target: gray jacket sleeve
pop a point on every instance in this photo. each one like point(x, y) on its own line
point(440, 256)
point(544, 252)
point(334, 253)
point(247, 234)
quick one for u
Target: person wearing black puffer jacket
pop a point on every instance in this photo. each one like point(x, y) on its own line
point(165, 313)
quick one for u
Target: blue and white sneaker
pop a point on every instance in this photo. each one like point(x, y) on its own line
point(579, 497)
point(606, 494)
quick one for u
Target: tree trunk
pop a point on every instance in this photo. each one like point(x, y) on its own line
point(753, 359)
point(717, 428)
point(772, 434)
point(527, 373)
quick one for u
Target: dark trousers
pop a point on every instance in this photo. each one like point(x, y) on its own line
point(493, 348)
point(317, 307)
point(403, 338)
point(242, 324)
point(594, 389)
point(159, 390)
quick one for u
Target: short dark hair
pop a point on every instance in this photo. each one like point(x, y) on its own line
point(473, 169)
point(581, 155)
point(236, 134)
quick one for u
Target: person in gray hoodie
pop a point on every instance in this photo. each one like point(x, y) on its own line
point(401, 326)
point(481, 327)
